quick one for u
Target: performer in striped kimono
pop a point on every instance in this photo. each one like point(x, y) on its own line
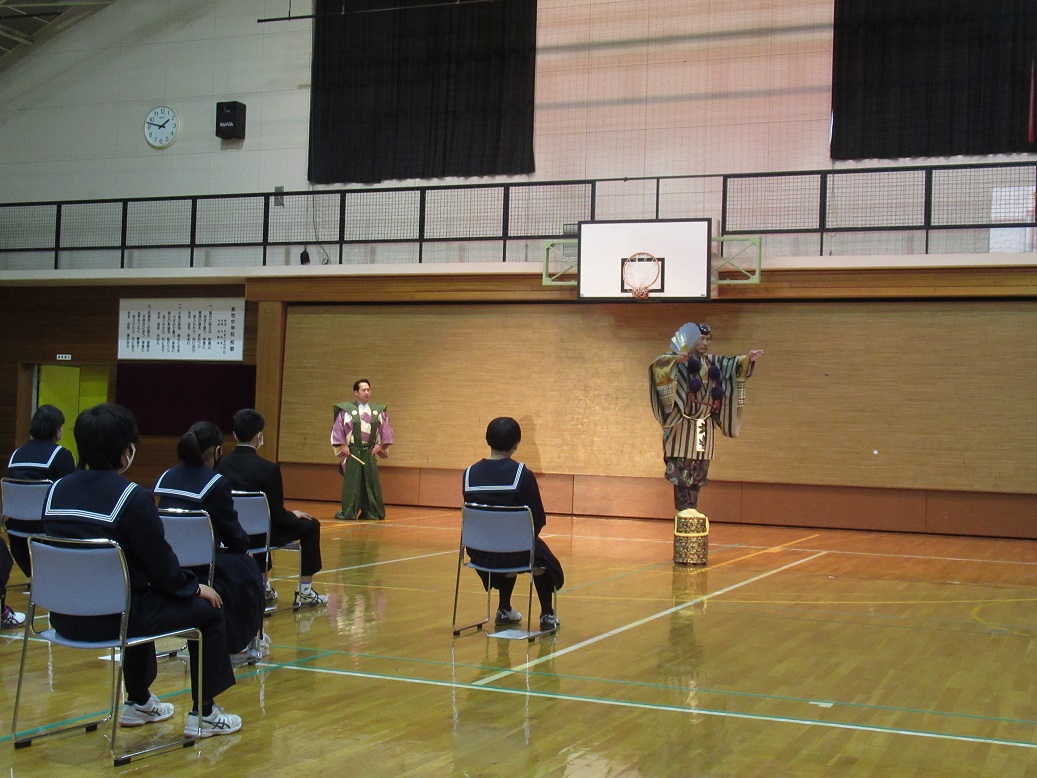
point(692, 393)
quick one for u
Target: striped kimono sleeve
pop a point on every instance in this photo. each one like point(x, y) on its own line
point(733, 371)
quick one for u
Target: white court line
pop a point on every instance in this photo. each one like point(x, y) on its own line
point(389, 561)
point(372, 564)
point(658, 707)
point(645, 620)
point(750, 547)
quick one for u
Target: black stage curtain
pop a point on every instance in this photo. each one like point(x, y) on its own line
point(421, 90)
point(915, 78)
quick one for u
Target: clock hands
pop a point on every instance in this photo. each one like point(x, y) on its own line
point(160, 126)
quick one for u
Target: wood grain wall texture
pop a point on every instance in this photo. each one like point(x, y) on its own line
point(899, 395)
point(39, 322)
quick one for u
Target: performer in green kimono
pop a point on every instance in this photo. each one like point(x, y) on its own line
point(360, 436)
point(692, 393)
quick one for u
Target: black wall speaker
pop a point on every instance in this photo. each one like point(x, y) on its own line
point(230, 120)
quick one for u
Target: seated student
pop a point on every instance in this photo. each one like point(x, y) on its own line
point(248, 472)
point(194, 485)
point(40, 458)
point(96, 501)
point(9, 618)
point(500, 480)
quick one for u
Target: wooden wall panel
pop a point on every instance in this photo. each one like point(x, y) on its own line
point(971, 513)
point(622, 496)
point(879, 395)
point(897, 510)
point(403, 483)
point(558, 492)
point(969, 281)
point(270, 370)
point(440, 488)
point(39, 322)
point(311, 482)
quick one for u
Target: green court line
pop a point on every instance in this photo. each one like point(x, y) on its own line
point(672, 708)
point(169, 695)
point(660, 686)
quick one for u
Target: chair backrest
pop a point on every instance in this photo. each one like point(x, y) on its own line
point(190, 534)
point(495, 528)
point(24, 500)
point(79, 577)
point(253, 512)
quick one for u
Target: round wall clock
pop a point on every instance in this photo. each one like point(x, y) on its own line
point(160, 127)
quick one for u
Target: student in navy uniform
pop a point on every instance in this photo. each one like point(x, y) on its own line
point(194, 485)
point(249, 472)
point(97, 501)
point(42, 458)
point(500, 480)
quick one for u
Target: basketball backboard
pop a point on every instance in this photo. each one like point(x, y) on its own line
point(682, 248)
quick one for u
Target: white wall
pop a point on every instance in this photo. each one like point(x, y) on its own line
point(624, 88)
point(72, 110)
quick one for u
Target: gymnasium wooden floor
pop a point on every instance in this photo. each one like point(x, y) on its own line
point(797, 652)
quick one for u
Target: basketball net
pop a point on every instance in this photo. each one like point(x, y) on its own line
point(640, 272)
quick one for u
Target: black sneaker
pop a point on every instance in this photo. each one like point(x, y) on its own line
point(549, 622)
point(507, 618)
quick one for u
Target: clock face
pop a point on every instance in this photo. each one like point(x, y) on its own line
point(160, 127)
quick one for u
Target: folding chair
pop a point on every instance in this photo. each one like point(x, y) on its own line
point(87, 578)
point(23, 506)
point(499, 529)
point(254, 516)
point(190, 534)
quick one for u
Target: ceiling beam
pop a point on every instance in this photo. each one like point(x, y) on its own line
point(13, 34)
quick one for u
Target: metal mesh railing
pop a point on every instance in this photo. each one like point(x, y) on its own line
point(785, 203)
point(894, 210)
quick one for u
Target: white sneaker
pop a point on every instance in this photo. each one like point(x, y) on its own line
point(216, 723)
point(270, 594)
point(256, 650)
point(11, 618)
point(309, 599)
point(133, 715)
point(549, 622)
point(506, 617)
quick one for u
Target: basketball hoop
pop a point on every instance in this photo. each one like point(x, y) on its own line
point(639, 292)
point(640, 272)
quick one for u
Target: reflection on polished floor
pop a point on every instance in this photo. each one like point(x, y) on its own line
point(797, 652)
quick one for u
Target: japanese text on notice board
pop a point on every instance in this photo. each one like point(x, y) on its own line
point(168, 329)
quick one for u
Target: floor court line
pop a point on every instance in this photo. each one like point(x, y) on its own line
point(666, 708)
point(884, 555)
point(367, 564)
point(645, 620)
point(668, 540)
point(269, 667)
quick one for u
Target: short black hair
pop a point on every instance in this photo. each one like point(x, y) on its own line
point(46, 422)
point(102, 434)
point(356, 384)
point(503, 433)
point(197, 440)
point(248, 422)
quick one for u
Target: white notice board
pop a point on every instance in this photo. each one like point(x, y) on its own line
point(196, 329)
